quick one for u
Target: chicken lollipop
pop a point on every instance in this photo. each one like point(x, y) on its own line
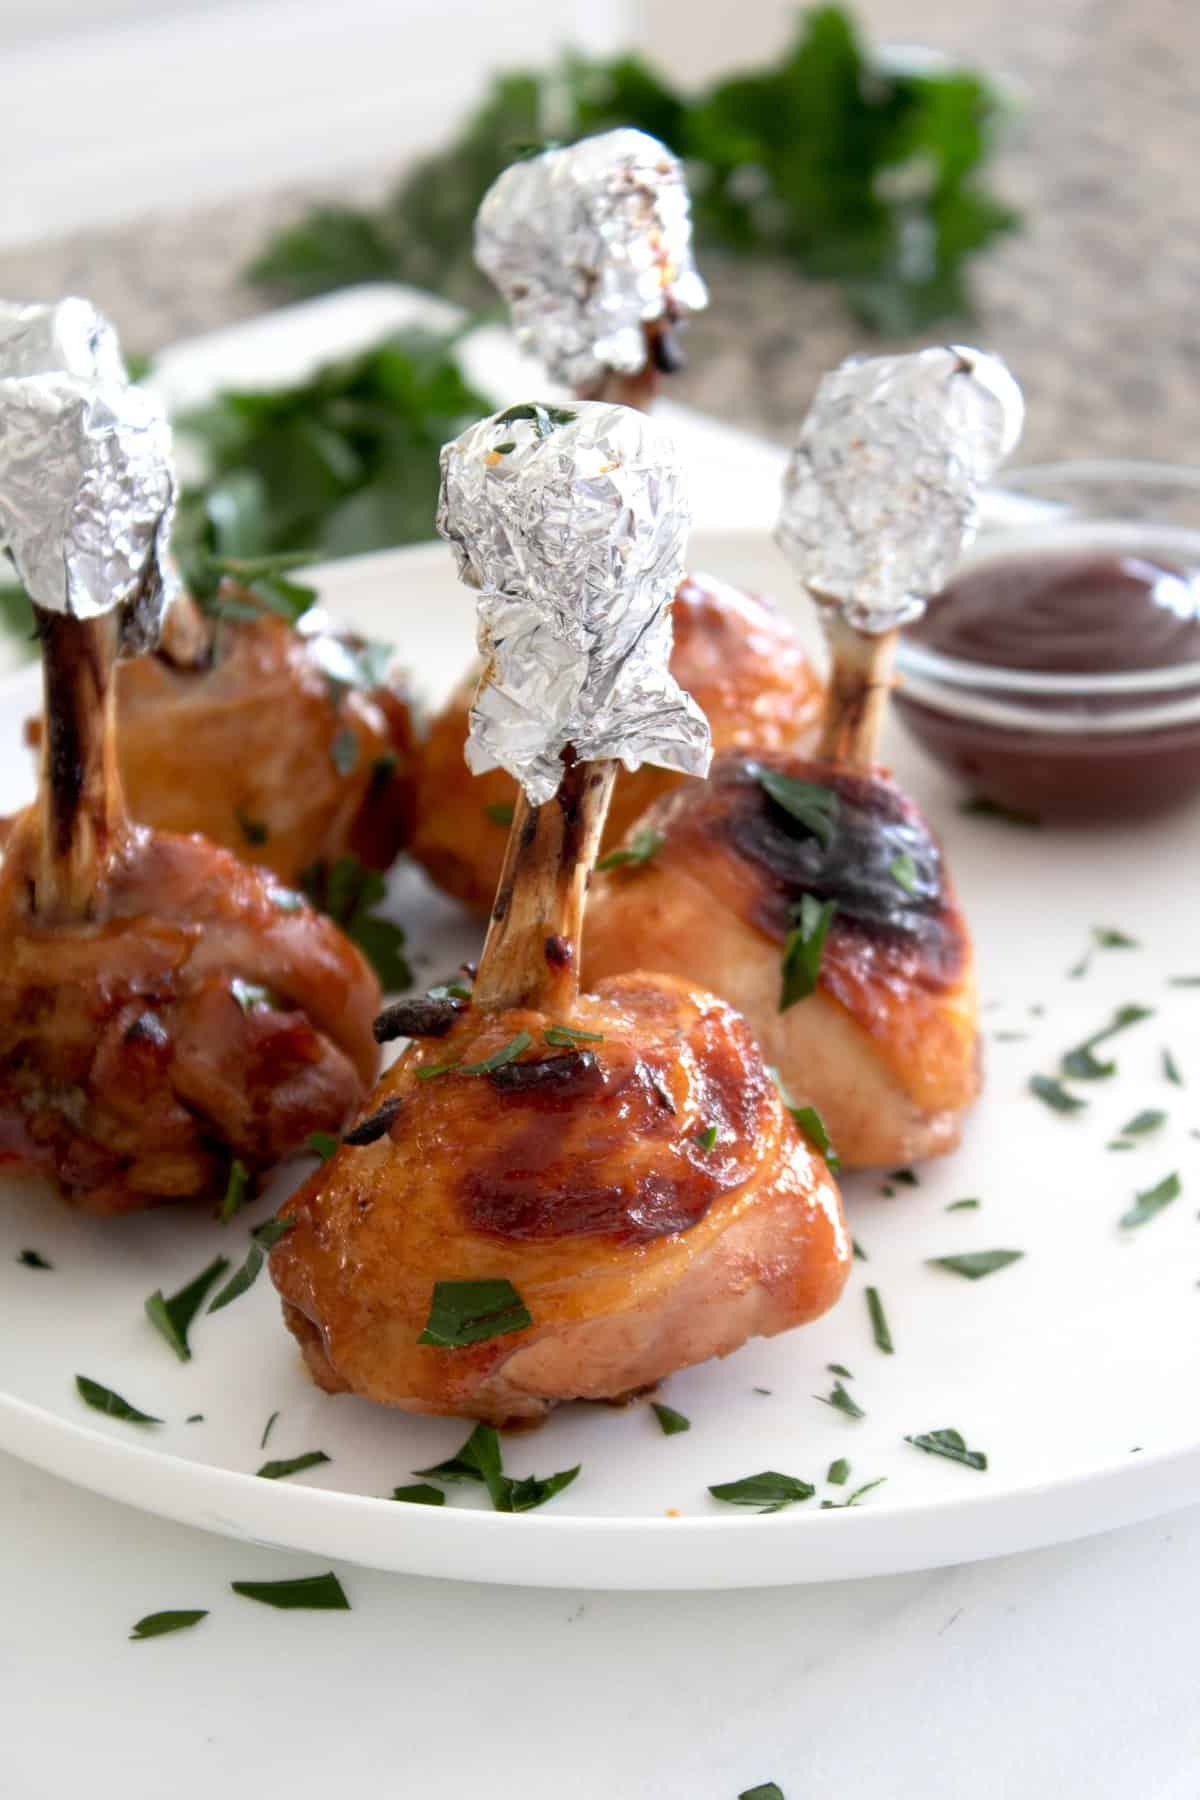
point(280, 740)
point(163, 1009)
point(558, 1195)
point(811, 891)
point(591, 247)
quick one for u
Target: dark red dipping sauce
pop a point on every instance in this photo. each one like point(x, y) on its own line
point(1065, 612)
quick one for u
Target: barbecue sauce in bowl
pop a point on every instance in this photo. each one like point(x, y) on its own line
point(1064, 680)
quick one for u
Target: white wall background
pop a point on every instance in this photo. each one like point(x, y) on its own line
point(110, 108)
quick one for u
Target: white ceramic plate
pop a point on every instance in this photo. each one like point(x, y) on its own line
point(1075, 1369)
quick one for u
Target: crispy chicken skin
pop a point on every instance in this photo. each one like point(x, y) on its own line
point(738, 658)
point(129, 1068)
point(887, 1047)
point(241, 747)
point(586, 1184)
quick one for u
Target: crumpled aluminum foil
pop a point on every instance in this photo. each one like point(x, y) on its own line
point(87, 486)
point(572, 524)
point(588, 244)
point(881, 493)
point(68, 336)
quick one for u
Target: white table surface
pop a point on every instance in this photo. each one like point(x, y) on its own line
point(1064, 1673)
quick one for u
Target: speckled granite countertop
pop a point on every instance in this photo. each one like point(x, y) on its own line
point(1094, 303)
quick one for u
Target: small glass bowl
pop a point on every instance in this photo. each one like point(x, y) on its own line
point(1089, 746)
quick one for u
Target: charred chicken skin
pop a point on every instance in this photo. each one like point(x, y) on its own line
point(581, 1175)
point(235, 729)
point(886, 1046)
point(735, 654)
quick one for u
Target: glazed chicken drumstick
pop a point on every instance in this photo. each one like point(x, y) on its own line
point(810, 889)
point(163, 1009)
point(279, 740)
point(559, 1194)
point(591, 247)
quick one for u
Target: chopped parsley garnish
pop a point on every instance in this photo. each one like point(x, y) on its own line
point(841, 1402)
point(544, 419)
point(159, 1624)
point(253, 830)
point(769, 1491)
point(349, 892)
point(171, 1318)
point(879, 1325)
point(707, 1139)
point(975, 1264)
point(672, 1422)
point(343, 751)
point(420, 1493)
point(840, 1369)
point(267, 1430)
point(307, 1593)
point(235, 1190)
point(499, 1059)
point(1171, 1069)
point(950, 1444)
point(322, 1143)
point(1055, 1095)
point(33, 1259)
point(1081, 1065)
point(642, 847)
point(470, 1312)
point(1142, 1122)
point(903, 871)
point(980, 807)
point(1183, 980)
point(291, 1465)
point(1150, 1203)
point(860, 1254)
point(499, 812)
point(962, 1205)
point(812, 1125)
point(250, 994)
point(1103, 938)
point(838, 1472)
point(802, 949)
point(194, 1419)
point(854, 1498)
point(262, 1239)
point(563, 1036)
point(906, 1177)
point(106, 1401)
point(811, 805)
point(766, 1790)
point(480, 1460)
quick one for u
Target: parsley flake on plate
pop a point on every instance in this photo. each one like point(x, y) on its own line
point(671, 1422)
point(948, 1443)
point(262, 1239)
point(879, 1325)
point(420, 1493)
point(842, 1402)
point(838, 1472)
point(106, 1401)
point(33, 1259)
point(768, 1492)
point(160, 1624)
point(306, 1593)
point(480, 1460)
point(292, 1465)
point(975, 1264)
point(172, 1318)
point(1054, 1095)
point(1150, 1203)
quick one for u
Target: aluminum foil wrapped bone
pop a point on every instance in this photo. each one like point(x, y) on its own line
point(882, 490)
point(572, 523)
point(588, 244)
point(68, 336)
point(87, 494)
